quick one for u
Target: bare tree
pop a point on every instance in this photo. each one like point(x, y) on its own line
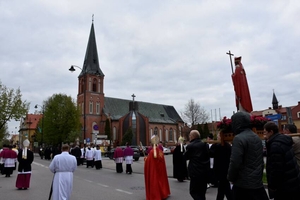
point(194, 113)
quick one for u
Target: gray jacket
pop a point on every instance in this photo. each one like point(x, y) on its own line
point(246, 161)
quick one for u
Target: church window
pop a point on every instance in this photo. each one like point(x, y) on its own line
point(133, 121)
point(155, 131)
point(171, 134)
point(298, 114)
point(95, 85)
point(82, 108)
point(91, 107)
point(98, 108)
point(114, 133)
point(166, 134)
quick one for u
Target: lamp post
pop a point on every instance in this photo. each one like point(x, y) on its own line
point(72, 69)
point(42, 132)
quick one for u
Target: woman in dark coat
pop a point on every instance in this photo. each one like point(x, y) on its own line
point(179, 163)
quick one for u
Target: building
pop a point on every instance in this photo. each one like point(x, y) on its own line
point(281, 115)
point(144, 118)
point(28, 128)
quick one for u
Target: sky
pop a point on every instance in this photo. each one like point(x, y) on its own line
point(165, 52)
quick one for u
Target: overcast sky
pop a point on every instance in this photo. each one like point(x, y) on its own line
point(165, 52)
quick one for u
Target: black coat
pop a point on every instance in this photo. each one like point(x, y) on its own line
point(76, 151)
point(25, 164)
point(282, 169)
point(179, 163)
point(198, 154)
point(221, 155)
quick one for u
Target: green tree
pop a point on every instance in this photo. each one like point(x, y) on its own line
point(127, 136)
point(61, 120)
point(199, 128)
point(194, 113)
point(108, 132)
point(11, 105)
point(4, 135)
point(205, 131)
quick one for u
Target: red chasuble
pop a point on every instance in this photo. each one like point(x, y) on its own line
point(156, 180)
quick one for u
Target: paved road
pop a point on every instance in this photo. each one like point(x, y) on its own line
point(96, 184)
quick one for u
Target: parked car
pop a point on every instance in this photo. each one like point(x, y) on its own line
point(136, 153)
point(166, 150)
point(142, 150)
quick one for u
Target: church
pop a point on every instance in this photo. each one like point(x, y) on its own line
point(144, 118)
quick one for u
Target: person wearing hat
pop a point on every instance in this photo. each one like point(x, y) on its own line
point(25, 158)
point(179, 161)
point(155, 173)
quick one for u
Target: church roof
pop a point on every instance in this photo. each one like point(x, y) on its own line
point(157, 113)
point(91, 61)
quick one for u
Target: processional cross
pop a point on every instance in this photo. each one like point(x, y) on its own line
point(230, 54)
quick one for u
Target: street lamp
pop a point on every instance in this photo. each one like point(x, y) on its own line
point(43, 110)
point(72, 69)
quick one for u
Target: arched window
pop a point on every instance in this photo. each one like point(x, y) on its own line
point(171, 134)
point(114, 133)
point(94, 85)
point(155, 131)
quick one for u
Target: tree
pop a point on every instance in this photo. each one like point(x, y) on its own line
point(61, 120)
point(194, 113)
point(205, 131)
point(127, 136)
point(4, 134)
point(107, 132)
point(11, 105)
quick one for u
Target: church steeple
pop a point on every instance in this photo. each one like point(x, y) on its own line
point(274, 101)
point(91, 61)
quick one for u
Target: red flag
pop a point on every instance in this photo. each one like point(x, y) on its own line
point(242, 93)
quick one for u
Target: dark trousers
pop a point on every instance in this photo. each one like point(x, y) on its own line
point(224, 190)
point(98, 164)
point(90, 163)
point(128, 168)
point(78, 161)
point(119, 167)
point(249, 194)
point(198, 188)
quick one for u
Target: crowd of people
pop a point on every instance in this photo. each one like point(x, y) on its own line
point(235, 168)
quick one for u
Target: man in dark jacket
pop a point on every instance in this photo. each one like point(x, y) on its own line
point(221, 154)
point(246, 161)
point(76, 151)
point(197, 153)
point(282, 169)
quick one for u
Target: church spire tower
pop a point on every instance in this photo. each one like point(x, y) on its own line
point(90, 98)
point(274, 101)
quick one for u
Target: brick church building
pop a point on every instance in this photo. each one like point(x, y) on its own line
point(144, 118)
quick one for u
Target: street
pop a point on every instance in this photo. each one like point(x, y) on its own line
point(95, 184)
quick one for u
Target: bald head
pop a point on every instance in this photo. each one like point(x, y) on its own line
point(194, 134)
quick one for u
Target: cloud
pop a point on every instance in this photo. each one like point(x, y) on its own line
point(164, 52)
